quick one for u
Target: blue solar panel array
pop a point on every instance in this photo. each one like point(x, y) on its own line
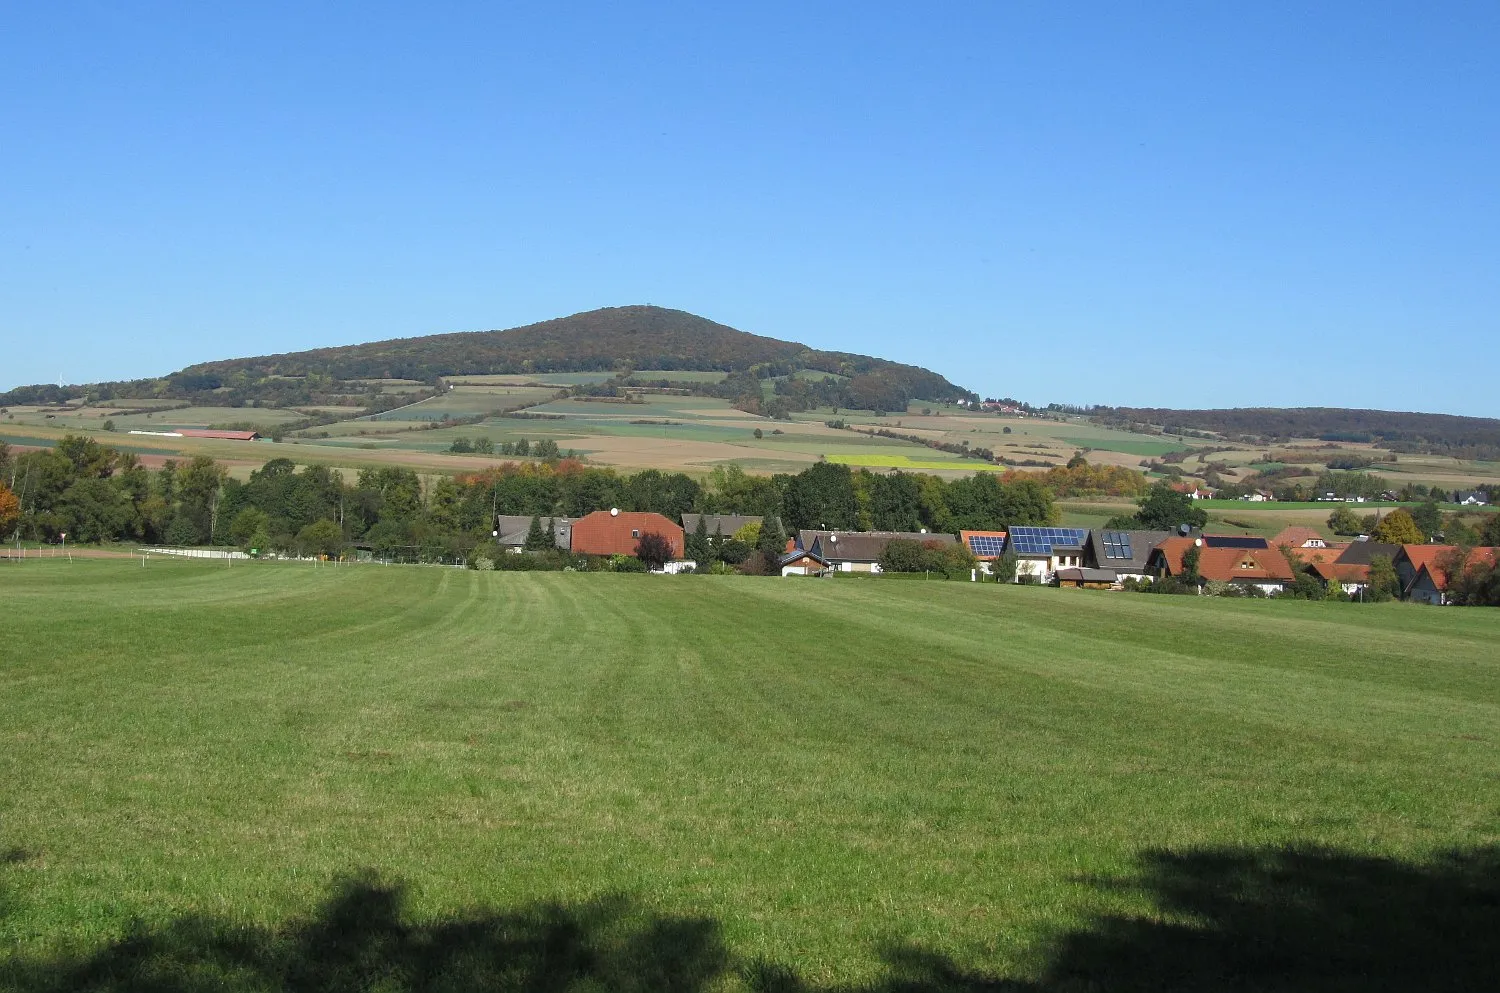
point(1234, 541)
point(1039, 541)
point(986, 544)
point(1116, 545)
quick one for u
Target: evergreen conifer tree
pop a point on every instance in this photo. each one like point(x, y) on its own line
point(536, 538)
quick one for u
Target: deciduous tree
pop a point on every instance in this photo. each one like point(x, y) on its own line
point(1164, 509)
point(653, 549)
point(10, 512)
point(1345, 522)
point(1398, 528)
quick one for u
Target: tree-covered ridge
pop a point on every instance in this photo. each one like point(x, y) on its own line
point(1398, 431)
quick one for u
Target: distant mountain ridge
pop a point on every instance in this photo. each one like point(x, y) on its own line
point(614, 339)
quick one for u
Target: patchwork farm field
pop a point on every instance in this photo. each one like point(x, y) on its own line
point(289, 776)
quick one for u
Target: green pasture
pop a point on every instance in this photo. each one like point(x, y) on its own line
point(680, 375)
point(274, 776)
point(91, 419)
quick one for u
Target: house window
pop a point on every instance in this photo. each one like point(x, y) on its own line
point(635, 532)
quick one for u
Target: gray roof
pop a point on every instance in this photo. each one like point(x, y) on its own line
point(513, 529)
point(716, 523)
point(1364, 552)
point(862, 546)
point(1077, 575)
point(1141, 545)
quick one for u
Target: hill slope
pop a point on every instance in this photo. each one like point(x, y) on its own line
point(1398, 431)
point(611, 339)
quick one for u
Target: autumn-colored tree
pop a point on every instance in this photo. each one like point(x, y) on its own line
point(10, 511)
point(1398, 528)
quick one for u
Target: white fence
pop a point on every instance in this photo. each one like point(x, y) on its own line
point(196, 553)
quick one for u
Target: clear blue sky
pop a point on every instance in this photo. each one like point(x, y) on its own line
point(1198, 204)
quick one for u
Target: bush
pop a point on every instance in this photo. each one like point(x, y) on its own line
point(952, 560)
point(627, 563)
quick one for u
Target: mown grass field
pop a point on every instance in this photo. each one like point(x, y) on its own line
point(290, 776)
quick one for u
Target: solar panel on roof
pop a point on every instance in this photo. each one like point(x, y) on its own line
point(1116, 545)
point(1234, 541)
point(986, 544)
point(1039, 540)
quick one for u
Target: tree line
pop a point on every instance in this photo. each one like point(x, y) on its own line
point(96, 493)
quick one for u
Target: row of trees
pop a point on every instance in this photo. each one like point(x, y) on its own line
point(94, 492)
point(1416, 526)
point(545, 449)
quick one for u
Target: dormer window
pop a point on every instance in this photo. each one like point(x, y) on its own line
point(635, 532)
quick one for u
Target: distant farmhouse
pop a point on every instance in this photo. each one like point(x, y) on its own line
point(203, 433)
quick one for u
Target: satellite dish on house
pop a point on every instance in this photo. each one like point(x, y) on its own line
point(614, 512)
point(833, 539)
point(1198, 542)
point(1184, 529)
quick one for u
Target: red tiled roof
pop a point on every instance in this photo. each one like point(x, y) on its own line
point(1312, 556)
point(602, 533)
point(1432, 556)
point(1226, 564)
point(1296, 536)
point(1340, 572)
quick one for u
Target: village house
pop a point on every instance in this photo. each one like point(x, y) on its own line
point(1238, 559)
point(1041, 551)
point(511, 531)
point(1126, 554)
point(617, 532)
point(800, 561)
point(1353, 579)
point(1422, 573)
point(1471, 498)
point(1299, 537)
point(860, 551)
point(985, 546)
point(716, 524)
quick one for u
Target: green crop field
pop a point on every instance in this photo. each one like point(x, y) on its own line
point(287, 776)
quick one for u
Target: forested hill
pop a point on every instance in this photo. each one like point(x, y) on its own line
point(615, 339)
point(1400, 431)
point(612, 339)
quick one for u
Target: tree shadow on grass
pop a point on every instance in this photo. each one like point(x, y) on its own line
point(358, 941)
point(1283, 919)
point(1306, 919)
point(1223, 919)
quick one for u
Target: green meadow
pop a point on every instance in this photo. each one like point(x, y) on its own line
point(274, 776)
